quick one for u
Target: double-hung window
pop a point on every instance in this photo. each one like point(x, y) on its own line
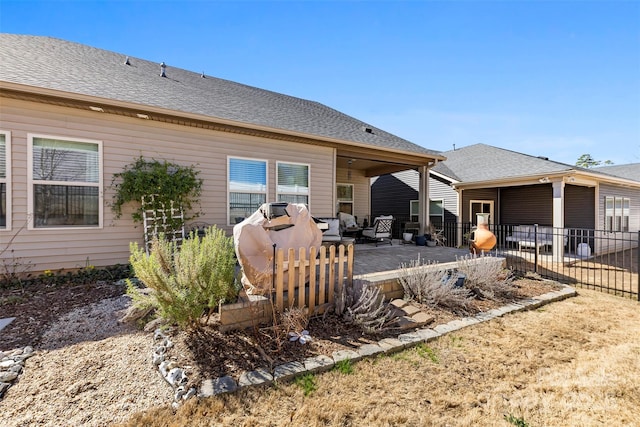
point(436, 212)
point(293, 183)
point(617, 211)
point(65, 182)
point(247, 181)
point(345, 198)
point(5, 185)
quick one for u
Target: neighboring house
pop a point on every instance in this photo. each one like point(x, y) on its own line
point(72, 115)
point(515, 188)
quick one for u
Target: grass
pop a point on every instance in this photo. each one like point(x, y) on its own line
point(344, 367)
point(307, 382)
point(576, 363)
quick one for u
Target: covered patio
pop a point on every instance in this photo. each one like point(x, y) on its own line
point(369, 258)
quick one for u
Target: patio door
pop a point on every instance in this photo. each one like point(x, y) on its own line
point(481, 206)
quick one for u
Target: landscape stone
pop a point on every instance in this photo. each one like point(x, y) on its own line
point(398, 303)
point(422, 318)
point(287, 370)
point(257, 377)
point(427, 334)
point(318, 363)
point(7, 363)
point(391, 345)
point(366, 350)
point(410, 338)
point(340, 355)
point(8, 376)
point(213, 387)
point(410, 309)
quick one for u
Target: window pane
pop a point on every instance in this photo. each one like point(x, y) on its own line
point(345, 192)
point(247, 175)
point(242, 205)
point(346, 207)
point(293, 198)
point(55, 160)
point(415, 207)
point(293, 178)
point(57, 205)
point(3, 157)
point(3, 205)
point(435, 207)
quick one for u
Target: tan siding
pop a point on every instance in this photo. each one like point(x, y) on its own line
point(125, 139)
point(361, 190)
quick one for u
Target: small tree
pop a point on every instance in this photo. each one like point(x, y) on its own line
point(586, 161)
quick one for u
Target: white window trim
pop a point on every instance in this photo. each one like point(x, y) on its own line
point(7, 180)
point(266, 190)
point(615, 215)
point(278, 163)
point(490, 202)
point(30, 182)
point(411, 215)
point(353, 196)
point(441, 215)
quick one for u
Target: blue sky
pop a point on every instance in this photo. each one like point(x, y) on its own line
point(556, 79)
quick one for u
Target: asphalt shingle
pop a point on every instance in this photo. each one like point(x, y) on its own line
point(60, 65)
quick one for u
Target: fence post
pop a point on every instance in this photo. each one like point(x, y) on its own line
point(638, 266)
point(535, 251)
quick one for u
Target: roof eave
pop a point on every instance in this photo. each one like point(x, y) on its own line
point(161, 114)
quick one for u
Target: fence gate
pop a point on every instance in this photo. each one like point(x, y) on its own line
point(311, 280)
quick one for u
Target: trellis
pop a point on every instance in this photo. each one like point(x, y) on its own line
point(158, 219)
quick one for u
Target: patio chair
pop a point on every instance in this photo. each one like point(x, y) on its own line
point(380, 231)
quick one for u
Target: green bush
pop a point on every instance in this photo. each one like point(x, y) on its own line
point(187, 281)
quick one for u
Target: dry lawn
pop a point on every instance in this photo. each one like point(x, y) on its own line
point(570, 363)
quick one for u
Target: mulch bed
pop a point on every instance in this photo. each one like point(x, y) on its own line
point(207, 352)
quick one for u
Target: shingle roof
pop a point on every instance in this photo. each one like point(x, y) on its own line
point(60, 65)
point(628, 171)
point(481, 162)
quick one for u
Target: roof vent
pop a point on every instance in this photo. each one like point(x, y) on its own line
point(203, 76)
point(543, 157)
point(163, 68)
point(367, 129)
point(126, 61)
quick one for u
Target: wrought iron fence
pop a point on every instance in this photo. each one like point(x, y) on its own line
point(593, 259)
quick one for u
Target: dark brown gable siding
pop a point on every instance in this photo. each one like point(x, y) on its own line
point(531, 204)
point(477, 194)
point(390, 196)
point(579, 207)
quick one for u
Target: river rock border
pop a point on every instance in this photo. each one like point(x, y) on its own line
point(176, 377)
point(11, 366)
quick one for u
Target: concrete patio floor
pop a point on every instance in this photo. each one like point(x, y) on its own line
point(371, 259)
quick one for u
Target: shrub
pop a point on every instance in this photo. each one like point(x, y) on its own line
point(486, 279)
point(431, 285)
point(365, 307)
point(189, 281)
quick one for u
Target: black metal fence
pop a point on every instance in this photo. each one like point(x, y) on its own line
point(593, 259)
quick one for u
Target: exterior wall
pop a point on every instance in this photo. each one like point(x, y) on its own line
point(440, 189)
point(361, 193)
point(608, 190)
point(391, 196)
point(579, 205)
point(124, 139)
point(478, 194)
point(531, 204)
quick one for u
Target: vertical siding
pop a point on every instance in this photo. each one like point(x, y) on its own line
point(530, 204)
point(125, 139)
